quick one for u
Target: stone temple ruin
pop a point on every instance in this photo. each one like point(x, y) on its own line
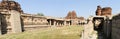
point(101, 13)
point(14, 20)
point(106, 23)
point(72, 16)
point(106, 11)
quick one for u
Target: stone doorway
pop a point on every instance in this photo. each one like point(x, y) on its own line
point(3, 24)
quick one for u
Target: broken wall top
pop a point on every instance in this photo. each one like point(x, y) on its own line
point(10, 5)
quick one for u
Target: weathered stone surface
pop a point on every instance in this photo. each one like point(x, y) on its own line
point(10, 5)
point(98, 11)
point(105, 11)
point(15, 21)
point(87, 30)
point(115, 27)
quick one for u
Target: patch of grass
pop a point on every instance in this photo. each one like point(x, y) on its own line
point(66, 32)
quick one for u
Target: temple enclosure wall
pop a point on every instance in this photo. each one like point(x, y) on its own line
point(112, 27)
point(12, 20)
point(109, 26)
point(106, 23)
point(116, 27)
point(9, 20)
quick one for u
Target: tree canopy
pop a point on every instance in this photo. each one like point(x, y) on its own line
point(40, 14)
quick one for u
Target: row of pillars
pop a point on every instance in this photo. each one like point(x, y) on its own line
point(58, 22)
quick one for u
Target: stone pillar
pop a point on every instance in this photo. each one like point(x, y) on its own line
point(64, 22)
point(15, 21)
point(50, 22)
point(54, 22)
point(57, 23)
point(69, 23)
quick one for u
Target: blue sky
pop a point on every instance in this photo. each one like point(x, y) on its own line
point(60, 8)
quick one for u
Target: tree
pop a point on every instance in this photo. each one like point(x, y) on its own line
point(40, 14)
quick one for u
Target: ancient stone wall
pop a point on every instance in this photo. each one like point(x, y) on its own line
point(30, 22)
point(13, 25)
point(88, 30)
point(34, 20)
point(27, 21)
point(111, 27)
point(116, 27)
point(107, 26)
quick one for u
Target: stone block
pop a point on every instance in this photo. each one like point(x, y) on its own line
point(15, 21)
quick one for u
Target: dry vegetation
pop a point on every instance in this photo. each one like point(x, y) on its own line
point(66, 32)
